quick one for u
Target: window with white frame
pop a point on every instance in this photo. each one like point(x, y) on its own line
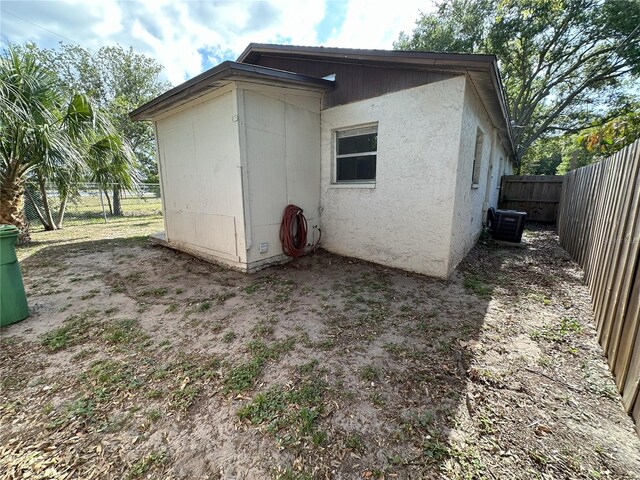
point(477, 158)
point(356, 155)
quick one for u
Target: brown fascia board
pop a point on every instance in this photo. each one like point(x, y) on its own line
point(498, 86)
point(468, 61)
point(227, 70)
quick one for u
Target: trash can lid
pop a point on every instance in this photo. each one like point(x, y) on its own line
point(8, 231)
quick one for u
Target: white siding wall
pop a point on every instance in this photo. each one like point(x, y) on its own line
point(472, 201)
point(199, 156)
point(405, 221)
point(281, 129)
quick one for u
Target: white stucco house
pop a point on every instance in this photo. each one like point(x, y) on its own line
point(395, 156)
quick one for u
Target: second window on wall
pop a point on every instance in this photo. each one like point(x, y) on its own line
point(356, 155)
point(477, 158)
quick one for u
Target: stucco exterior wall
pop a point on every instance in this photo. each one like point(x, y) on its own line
point(497, 159)
point(232, 159)
point(199, 157)
point(280, 150)
point(472, 200)
point(405, 219)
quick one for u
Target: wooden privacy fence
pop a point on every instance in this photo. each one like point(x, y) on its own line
point(599, 225)
point(538, 195)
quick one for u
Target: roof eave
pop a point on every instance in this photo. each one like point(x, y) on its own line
point(229, 71)
point(469, 62)
point(504, 107)
point(254, 50)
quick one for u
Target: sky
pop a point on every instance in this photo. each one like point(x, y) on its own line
point(190, 36)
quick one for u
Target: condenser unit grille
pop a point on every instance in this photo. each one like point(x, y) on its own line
point(507, 225)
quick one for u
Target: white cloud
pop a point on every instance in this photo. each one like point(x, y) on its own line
point(110, 22)
point(174, 32)
point(183, 28)
point(377, 23)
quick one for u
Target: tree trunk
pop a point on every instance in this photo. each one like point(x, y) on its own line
point(108, 202)
point(49, 223)
point(12, 207)
point(61, 210)
point(34, 204)
point(117, 206)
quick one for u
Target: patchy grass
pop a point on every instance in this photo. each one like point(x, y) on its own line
point(80, 410)
point(75, 329)
point(124, 332)
point(89, 294)
point(387, 374)
point(264, 327)
point(290, 415)
point(143, 465)
point(370, 374)
point(133, 230)
point(243, 376)
point(561, 332)
point(156, 292)
point(229, 337)
point(478, 286)
point(204, 306)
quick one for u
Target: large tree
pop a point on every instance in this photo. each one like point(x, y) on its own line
point(563, 61)
point(47, 134)
point(119, 80)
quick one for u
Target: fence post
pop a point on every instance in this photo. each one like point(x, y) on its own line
point(104, 214)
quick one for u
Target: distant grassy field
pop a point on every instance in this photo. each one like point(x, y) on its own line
point(90, 206)
point(89, 209)
point(75, 232)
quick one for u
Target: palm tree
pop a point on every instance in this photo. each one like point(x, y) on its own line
point(111, 168)
point(47, 136)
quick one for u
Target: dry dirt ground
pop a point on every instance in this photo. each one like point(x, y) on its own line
point(142, 362)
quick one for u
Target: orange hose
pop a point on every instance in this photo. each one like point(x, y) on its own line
point(293, 231)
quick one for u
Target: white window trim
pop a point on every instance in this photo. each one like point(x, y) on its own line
point(359, 184)
point(351, 132)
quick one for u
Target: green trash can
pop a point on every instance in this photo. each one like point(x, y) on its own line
point(13, 301)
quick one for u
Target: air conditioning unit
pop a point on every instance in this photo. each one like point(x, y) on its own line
point(506, 225)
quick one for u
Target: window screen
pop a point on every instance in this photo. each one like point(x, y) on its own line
point(356, 154)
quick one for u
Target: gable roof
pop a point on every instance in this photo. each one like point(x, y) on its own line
point(219, 76)
point(481, 69)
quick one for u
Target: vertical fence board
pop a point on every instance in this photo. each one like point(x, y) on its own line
point(606, 241)
point(625, 271)
point(595, 174)
point(599, 225)
point(627, 371)
point(632, 384)
point(603, 213)
point(582, 210)
point(616, 248)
